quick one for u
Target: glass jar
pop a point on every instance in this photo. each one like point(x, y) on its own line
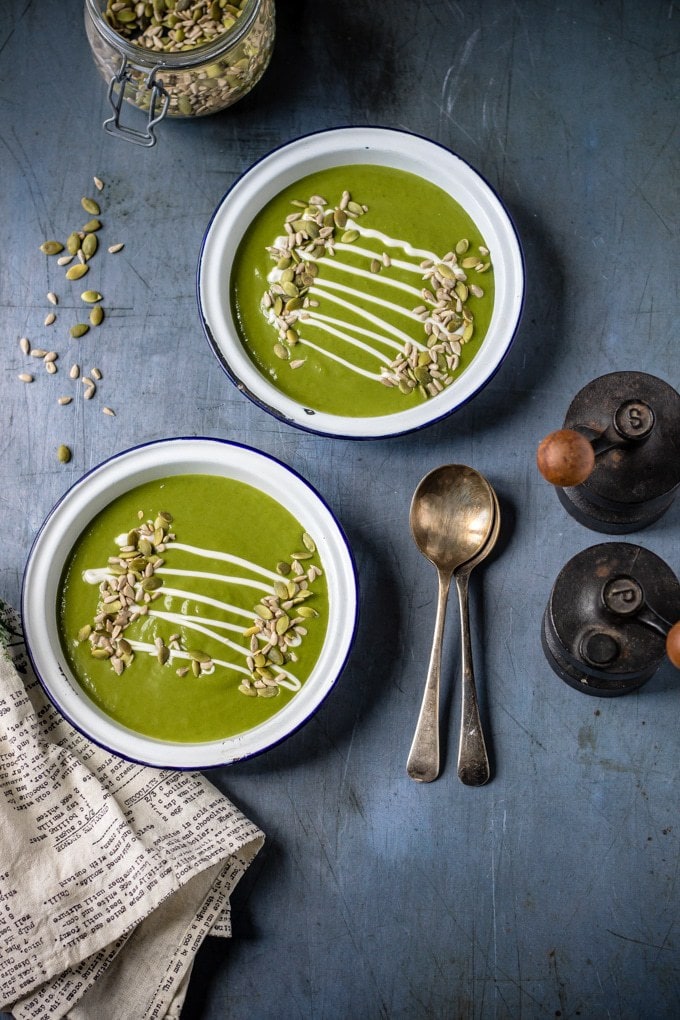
point(188, 82)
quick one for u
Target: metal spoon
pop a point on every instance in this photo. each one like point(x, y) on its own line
point(473, 761)
point(452, 514)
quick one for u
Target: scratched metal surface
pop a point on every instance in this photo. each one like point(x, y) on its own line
point(553, 891)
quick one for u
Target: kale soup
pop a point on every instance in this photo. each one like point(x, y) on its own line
point(193, 608)
point(362, 290)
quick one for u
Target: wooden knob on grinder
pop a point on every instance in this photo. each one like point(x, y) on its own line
point(565, 458)
point(673, 645)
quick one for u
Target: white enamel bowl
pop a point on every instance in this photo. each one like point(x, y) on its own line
point(341, 147)
point(96, 490)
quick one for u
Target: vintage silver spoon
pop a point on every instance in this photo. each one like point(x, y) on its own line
point(473, 761)
point(452, 515)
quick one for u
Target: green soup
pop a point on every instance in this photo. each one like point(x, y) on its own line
point(193, 608)
point(362, 290)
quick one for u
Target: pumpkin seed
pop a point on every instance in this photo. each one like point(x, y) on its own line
point(89, 245)
point(97, 315)
point(264, 612)
point(308, 542)
point(80, 329)
point(63, 454)
point(283, 568)
point(349, 236)
point(462, 246)
point(73, 243)
point(75, 272)
point(307, 612)
point(90, 206)
point(152, 583)
point(90, 297)
point(51, 247)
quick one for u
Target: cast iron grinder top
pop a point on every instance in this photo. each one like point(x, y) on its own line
point(616, 461)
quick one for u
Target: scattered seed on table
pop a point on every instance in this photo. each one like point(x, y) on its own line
point(25, 377)
point(113, 248)
point(50, 368)
point(96, 374)
point(74, 371)
point(90, 297)
point(107, 410)
point(80, 329)
point(98, 183)
point(52, 298)
point(75, 272)
point(51, 247)
point(51, 356)
point(64, 400)
point(63, 454)
point(25, 345)
point(89, 392)
point(97, 315)
point(50, 318)
point(90, 206)
point(38, 352)
point(64, 260)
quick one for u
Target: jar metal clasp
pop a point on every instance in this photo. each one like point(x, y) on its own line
point(116, 96)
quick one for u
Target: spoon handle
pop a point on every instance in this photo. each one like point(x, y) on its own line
point(423, 759)
point(473, 761)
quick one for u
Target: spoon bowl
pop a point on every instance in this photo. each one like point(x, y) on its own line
point(452, 516)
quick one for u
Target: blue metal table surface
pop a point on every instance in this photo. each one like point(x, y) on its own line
point(552, 891)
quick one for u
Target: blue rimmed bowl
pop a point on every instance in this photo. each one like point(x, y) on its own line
point(96, 490)
point(334, 148)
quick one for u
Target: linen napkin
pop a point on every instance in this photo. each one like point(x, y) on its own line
point(111, 873)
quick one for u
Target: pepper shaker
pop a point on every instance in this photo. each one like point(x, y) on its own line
point(611, 618)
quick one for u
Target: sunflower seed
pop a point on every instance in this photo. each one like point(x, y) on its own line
point(25, 377)
point(109, 412)
point(74, 371)
point(113, 248)
point(52, 298)
point(50, 318)
point(25, 345)
point(98, 183)
point(64, 400)
point(96, 374)
point(64, 260)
